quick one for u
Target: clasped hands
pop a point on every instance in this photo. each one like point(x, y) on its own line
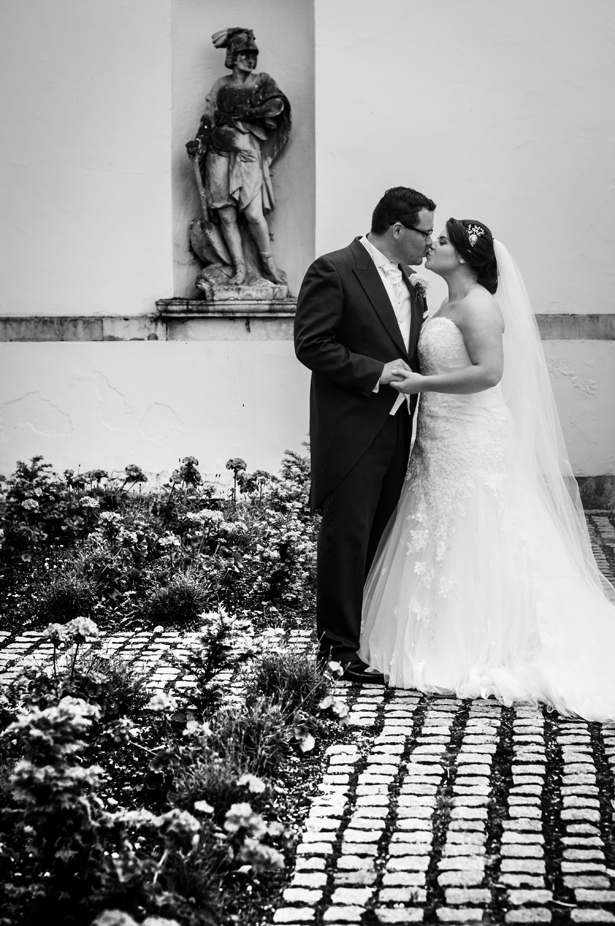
point(397, 373)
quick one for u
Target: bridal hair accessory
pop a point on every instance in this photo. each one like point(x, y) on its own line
point(474, 233)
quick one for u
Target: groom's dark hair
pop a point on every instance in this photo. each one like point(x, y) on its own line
point(399, 204)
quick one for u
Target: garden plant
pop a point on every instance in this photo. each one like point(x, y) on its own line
point(119, 805)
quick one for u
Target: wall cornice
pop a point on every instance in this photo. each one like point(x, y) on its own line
point(186, 320)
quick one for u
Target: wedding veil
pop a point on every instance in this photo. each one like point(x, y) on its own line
point(539, 442)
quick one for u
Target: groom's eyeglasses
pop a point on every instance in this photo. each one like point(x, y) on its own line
point(426, 235)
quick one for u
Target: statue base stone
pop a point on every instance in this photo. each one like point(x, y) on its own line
point(240, 302)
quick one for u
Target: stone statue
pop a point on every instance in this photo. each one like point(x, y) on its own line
point(245, 126)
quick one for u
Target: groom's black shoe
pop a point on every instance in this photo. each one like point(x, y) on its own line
point(358, 671)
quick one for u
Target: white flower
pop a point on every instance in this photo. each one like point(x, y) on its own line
point(30, 504)
point(203, 807)
point(169, 540)
point(162, 702)
point(88, 502)
point(418, 280)
point(206, 514)
point(256, 785)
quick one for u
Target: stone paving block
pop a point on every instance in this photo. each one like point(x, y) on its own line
point(355, 878)
point(582, 895)
point(595, 881)
point(511, 836)
point(588, 866)
point(316, 824)
point(464, 838)
point(462, 863)
point(355, 863)
point(467, 825)
point(468, 813)
point(373, 800)
point(519, 879)
point(459, 915)
point(585, 815)
point(313, 879)
point(592, 916)
point(403, 879)
point(403, 895)
point(408, 863)
point(533, 866)
point(359, 848)
point(531, 915)
point(294, 915)
point(413, 836)
point(459, 895)
point(521, 850)
point(460, 878)
point(301, 895)
point(310, 837)
point(408, 915)
point(519, 897)
point(350, 914)
point(349, 896)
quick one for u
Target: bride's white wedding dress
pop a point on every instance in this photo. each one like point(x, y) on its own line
point(484, 583)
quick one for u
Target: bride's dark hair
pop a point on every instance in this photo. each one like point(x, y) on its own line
point(474, 242)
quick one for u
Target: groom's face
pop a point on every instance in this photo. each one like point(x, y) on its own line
point(413, 244)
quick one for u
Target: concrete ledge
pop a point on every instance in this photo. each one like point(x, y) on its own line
point(191, 320)
point(576, 327)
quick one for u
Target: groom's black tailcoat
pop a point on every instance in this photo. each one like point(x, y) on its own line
point(345, 331)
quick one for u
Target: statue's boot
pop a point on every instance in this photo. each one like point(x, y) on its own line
point(271, 268)
point(239, 277)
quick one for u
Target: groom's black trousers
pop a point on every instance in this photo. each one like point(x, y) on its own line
point(354, 517)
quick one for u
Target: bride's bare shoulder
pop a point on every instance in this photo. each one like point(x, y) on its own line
point(480, 307)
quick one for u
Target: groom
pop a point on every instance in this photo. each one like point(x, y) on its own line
point(357, 324)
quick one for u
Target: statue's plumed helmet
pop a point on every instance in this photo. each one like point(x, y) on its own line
point(234, 40)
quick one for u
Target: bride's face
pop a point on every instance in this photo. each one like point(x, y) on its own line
point(443, 257)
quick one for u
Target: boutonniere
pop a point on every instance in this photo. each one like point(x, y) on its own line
point(420, 284)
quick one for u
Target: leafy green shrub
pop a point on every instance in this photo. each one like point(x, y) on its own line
point(293, 680)
point(65, 598)
point(180, 602)
point(224, 643)
point(255, 739)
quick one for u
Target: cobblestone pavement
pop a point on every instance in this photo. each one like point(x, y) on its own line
point(437, 810)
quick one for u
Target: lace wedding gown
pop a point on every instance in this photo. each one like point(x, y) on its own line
point(474, 589)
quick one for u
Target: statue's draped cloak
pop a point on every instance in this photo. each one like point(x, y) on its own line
point(244, 130)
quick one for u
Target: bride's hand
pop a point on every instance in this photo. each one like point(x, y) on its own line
point(408, 382)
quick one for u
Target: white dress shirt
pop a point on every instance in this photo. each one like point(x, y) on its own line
point(399, 295)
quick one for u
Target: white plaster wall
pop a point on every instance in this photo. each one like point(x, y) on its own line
point(106, 405)
point(583, 378)
point(85, 186)
point(499, 110)
point(284, 31)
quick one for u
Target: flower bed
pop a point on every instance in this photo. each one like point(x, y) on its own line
point(118, 806)
point(95, 546)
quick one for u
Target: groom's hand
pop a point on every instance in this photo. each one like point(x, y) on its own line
point(409, 383)
point(393, 372)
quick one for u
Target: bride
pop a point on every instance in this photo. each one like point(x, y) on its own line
point(485, 583)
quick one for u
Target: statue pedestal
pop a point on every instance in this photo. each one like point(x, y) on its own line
point(239, 302)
